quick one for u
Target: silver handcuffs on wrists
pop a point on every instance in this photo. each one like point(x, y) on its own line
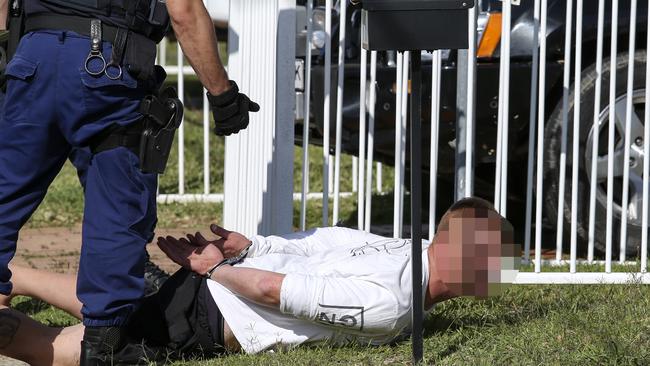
point(229, 261)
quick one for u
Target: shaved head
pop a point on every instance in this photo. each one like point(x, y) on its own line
point(474, 250)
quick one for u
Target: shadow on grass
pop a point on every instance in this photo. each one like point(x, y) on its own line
point(29, 306)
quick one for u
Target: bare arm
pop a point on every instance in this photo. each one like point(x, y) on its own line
point(262, 287)
point(195, 32)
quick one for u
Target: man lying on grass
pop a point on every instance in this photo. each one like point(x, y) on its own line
point(331, 285)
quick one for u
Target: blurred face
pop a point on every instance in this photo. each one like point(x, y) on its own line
point(475, 254)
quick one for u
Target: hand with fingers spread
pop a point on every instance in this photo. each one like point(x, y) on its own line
point(231, 242)
point(194, 254)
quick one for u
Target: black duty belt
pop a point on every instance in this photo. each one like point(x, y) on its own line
point(71, 23)
point(118, 136)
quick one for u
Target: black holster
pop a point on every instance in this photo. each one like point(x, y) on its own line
point(152, 137)
point(162, 117)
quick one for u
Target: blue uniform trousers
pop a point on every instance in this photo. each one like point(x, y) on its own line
point(54, 107)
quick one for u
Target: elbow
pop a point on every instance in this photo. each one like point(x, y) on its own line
point(182, 13)
point(180, 23)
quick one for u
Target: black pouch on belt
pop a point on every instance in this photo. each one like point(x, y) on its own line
point(163, 115)
point(140, 56)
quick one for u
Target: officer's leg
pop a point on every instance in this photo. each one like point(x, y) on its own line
point(32, 151)
point(154, 276)
point(118, 222)
point(120, 202)
point(119, 215)
point(28, 164)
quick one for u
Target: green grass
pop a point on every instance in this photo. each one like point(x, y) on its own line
point(528, 325)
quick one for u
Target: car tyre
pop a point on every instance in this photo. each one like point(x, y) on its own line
point(552, 155)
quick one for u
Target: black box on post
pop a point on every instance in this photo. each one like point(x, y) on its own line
point(405, 25)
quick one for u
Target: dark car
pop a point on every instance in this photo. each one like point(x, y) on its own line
point(487, 107)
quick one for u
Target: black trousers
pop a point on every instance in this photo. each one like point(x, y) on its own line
point(182, 317)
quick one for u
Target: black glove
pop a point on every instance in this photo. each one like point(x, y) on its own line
point(230, 110)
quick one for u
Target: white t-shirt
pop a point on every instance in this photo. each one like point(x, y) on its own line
point(341, 286)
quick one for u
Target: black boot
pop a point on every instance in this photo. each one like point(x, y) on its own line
point(154, 277)
point(109, 346)
point(100, 343)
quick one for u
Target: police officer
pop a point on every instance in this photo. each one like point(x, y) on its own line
point(77, 80)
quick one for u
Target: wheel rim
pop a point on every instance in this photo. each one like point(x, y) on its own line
point(635, 196)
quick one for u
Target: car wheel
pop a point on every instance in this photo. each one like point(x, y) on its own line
point(552, 154)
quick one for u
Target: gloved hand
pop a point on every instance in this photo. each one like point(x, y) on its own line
point(230, 110)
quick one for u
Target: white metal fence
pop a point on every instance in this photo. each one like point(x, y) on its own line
point(610, 184)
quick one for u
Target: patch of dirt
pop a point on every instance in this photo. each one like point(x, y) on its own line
point(57, 249)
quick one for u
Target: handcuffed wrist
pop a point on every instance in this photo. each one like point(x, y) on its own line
point(229, 261)
point(211, 271)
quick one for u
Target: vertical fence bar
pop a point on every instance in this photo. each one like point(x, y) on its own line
point(505, 62)
point(460, 148)
point(596, 135)
point(206, 141)
point(497, 173)
point(355, 176)
point(435, 121)
point(628, 123)
point(162, 57)
point(646, 162)
point(575, 162)
point(566, 85)
point(406, 86)
point(380, 186)
point(339, 110)
point(502, 116)
point(305, 127)
point(471, 101)
point(397, 191)
point(162, 53)
point(531, 132)
point(181, 130)
point(362, 138)
point(502, 60)
point(331, 175)
point(541, 118)
point(326, 110)
point(206, 144)
point(371, 137)
point(610, 138)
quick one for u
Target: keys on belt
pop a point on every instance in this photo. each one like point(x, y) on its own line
point(112, 69)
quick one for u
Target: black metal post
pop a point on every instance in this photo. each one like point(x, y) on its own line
point(416, 205)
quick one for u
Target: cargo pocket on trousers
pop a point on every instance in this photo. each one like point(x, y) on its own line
point(105, 98)
point(20, 74)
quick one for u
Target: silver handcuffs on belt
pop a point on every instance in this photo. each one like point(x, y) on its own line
point(229, 261)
